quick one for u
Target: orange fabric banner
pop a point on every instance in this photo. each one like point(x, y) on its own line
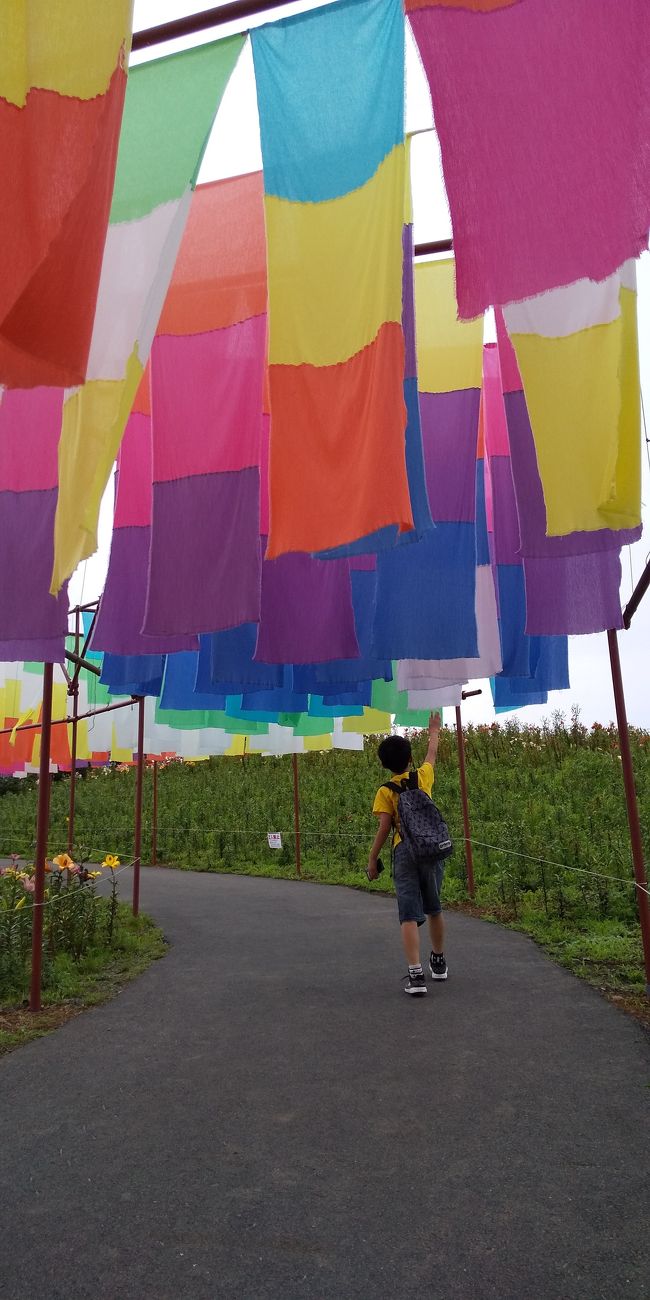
point(352, 409)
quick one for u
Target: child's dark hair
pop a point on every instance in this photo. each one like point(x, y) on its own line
point(395, 753)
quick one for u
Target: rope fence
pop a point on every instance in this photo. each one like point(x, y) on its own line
point(91, 852)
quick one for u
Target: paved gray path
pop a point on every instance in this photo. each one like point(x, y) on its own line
point(265, 1114)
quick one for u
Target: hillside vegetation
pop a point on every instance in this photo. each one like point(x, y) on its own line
point(547, 811)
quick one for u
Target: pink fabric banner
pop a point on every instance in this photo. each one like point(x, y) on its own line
point(543, 116)
point(118, 629)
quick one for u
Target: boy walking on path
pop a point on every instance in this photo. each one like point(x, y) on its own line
point(417, 882)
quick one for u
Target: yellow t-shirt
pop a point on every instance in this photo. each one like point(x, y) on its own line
point(386, 800)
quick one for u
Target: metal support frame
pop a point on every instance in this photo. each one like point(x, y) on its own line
point(631, 801)
point(45, 727)
point(77, 658)
point(80, 663)
point(154, 815)
point(66, 722)
point(460, 740)
point(637, 596)
point(139, 780)
point(296, 811)
point(235, 12)
point(433, 246)
point(73, 689)
point(42, 827)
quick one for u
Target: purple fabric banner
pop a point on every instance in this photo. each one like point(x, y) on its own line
point(204, 563)
point(205, 556)
point(574, 594)
point(449, 422)
point(33, 624)
point(307, 612)
point(507, 549)
point(118, 629)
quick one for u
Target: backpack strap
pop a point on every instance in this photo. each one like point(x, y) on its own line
point(396, 789)
point(411, 782)
point(392, 785)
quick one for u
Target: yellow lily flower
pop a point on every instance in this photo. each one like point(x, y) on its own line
point(94, 875)
point(63, 862)
point(111, 861)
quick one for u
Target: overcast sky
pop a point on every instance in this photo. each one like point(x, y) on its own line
point(234, 148)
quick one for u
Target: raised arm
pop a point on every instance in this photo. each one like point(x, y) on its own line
point(434, 735)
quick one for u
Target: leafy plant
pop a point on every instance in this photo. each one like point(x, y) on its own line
point(72, 915)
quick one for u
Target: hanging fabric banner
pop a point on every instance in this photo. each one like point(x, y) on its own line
point(170, 106)
point(207, 367)
point(503, 527)
point(572, 581)
point(530, 663)
point(387, 698)
point(373, 722)
point(307, 615)
point(577, 352)
point(436, 675)
point(560, 188)
point(426, 591)
point(171, 733)
point(17, 704)
point(387, 537)
point(33, 624)
point(443, 697)
point(348, 673)
point(232, 667)
point(62, 85)
point(122, 606)
point(330, 88)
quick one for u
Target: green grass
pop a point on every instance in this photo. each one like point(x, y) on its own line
point(70, 985)
point(606, 953)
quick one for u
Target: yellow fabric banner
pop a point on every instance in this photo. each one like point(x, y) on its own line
point(68, 46)
point(582, 393)
point(450, 352)
point(317, 251)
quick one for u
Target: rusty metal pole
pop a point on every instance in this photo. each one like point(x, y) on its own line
point(42, 826)
point(296, 811)
point(139, 775)
point(639, 592)
point(66, 722)
point(73, 746)
point(154, 816)
point(630, 798)
point(463, 796)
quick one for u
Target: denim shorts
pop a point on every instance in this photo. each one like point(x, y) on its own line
point(417, 885)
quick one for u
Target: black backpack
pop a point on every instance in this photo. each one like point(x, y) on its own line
point(423, 828)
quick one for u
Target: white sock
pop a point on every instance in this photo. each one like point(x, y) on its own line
point(415, 970)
